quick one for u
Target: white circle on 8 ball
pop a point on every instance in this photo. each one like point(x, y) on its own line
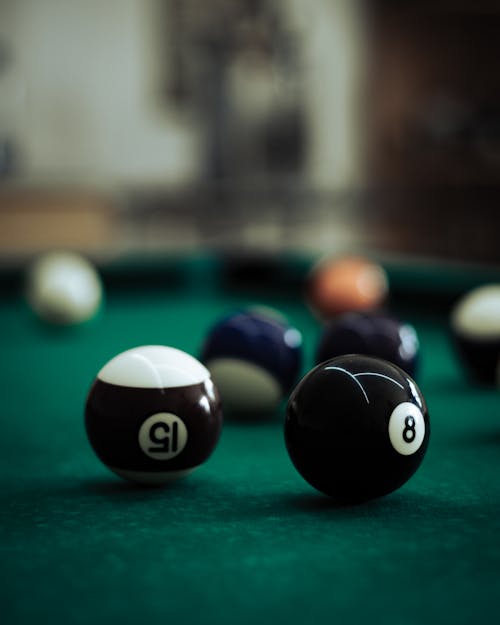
point(406, 428)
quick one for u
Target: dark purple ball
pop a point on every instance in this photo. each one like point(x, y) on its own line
point(372, 334)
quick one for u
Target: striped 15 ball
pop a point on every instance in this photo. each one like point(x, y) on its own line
point(153, 414)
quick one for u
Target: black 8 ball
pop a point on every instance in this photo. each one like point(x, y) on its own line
point(356, 427)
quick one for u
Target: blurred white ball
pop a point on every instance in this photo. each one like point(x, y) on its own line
point(64, 288)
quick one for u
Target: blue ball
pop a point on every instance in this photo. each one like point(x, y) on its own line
point(371, 334)
point(255, 357)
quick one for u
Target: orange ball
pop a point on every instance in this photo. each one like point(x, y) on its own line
point(347, 284)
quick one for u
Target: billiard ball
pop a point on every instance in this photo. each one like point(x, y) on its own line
point(153, 414)
point(475, 328)
point(345, 284)
point(356, 427)
point(63, 288)
point(254, 356)
point(373, 334)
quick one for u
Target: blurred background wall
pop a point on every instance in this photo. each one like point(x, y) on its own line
point(126, 90)
point(332, 125)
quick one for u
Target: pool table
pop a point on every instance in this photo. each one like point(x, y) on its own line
point(243, 539)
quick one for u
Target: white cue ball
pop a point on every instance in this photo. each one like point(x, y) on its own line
point(64, 288)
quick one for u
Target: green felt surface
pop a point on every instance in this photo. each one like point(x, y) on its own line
point(243, 539)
